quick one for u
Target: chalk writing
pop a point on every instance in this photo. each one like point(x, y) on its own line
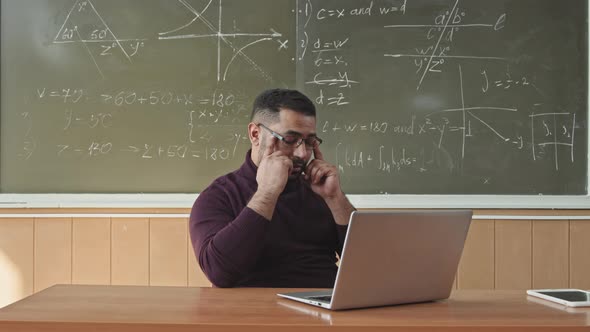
point(412, 96)
point(29, 143)
point(216, 32)
point(441, 34)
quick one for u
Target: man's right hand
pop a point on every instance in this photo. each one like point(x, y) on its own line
point(273, 173)
point(274, 169)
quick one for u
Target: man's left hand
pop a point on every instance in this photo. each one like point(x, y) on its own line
point(322, 176)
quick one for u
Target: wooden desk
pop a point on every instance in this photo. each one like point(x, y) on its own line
point(145, 309)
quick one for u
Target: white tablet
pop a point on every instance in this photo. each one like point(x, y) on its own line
point(569, 297)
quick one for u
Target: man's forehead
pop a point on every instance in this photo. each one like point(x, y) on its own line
point(298, 133)
point(300, 125)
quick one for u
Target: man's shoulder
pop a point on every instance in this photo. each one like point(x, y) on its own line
point(227, 183)
point(228, 178)
point(229, 190)
point(219, 183)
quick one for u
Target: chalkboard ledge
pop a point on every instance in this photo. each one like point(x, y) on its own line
point(360, 201)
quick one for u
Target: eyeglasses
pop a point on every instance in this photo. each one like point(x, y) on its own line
point(295, 141)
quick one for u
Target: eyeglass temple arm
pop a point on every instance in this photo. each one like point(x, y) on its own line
point(279, 137)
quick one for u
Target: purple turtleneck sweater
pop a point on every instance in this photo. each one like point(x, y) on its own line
point(237, 247)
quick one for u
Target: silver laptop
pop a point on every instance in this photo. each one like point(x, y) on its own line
point(395, 257)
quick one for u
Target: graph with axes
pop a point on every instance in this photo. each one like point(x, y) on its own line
point(84, 25)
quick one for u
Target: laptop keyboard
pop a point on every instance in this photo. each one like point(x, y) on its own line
point(327, 298)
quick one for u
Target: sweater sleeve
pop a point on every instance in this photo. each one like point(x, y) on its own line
point(227, 246)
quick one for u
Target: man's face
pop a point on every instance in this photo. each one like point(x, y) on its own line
point(291, 125)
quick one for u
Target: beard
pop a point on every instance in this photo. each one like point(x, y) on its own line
point(298, 168)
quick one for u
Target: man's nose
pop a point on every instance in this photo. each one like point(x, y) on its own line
point(300, 151)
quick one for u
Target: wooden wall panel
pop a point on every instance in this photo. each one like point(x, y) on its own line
point(168, 252)
point(513, 268)
point(16, 259)
point(53, 252)
point(130, 251)
point(476, 269)
point(503, 254)
point(91, 250)
point(550, 254)
point(580, 254)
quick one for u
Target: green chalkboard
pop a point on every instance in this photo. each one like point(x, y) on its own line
point(413, 96)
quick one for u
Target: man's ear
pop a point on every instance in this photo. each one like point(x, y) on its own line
point(254, 133)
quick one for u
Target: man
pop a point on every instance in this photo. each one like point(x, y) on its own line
point(280, 219)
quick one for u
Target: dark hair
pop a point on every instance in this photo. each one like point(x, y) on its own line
point(269, 103)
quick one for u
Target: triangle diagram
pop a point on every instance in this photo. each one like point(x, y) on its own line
point(84, 24)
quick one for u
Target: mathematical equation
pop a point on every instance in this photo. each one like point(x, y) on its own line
point(331, 78)
point(196, 116)
point(548, 133)
point(147, 151)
